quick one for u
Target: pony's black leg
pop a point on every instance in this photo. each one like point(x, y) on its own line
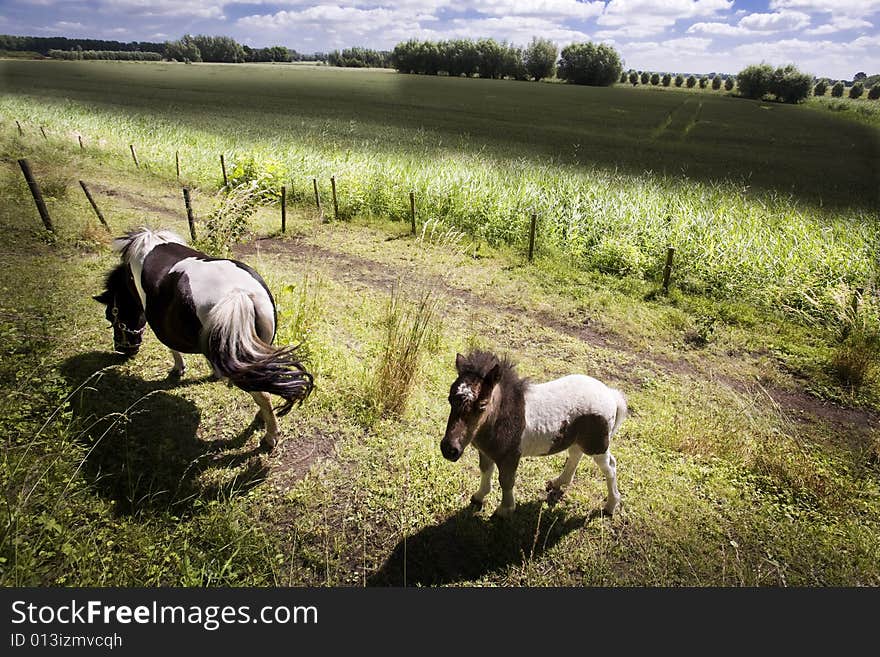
point(179, 368)
point(271, 438)
point(487, 467)
point(507, 477)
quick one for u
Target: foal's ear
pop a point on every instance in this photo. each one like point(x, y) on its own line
point(105, 297)
point(459, 362)
point(492, 377)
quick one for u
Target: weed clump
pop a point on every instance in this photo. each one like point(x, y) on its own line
point(409, 329)
point(856, 357)
point(618, 256)
point(229, 222)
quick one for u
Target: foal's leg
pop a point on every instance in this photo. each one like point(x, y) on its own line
point(487, 467)
point(608, 465)
point(555, 487)
point(507, 477)
point(179, 366)
point(271, 438)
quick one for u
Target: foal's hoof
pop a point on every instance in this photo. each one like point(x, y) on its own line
point(503, 512)
point(176, 375)
point(476, 505)
point(268, 442)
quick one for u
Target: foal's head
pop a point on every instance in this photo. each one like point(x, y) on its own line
point(124, 310)
point(469, 400)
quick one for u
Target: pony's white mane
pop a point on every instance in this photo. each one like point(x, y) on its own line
point(135, 246)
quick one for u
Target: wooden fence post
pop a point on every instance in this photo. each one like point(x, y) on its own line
point(532, 236)
point(318, 200)
point(177, 163)
point(283, 209)
point(412, 211)
point(667, 270)
point(37, 194)
point(94, 205)
point(223, 166)
point(189, 213)
point(335, 204)
point(134, 156)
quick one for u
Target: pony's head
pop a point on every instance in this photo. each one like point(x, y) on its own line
point(469, 400)
point(124, 310)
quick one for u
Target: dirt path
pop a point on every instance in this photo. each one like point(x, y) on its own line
point(799, 405)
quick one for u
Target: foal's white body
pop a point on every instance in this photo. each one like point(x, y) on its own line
point(552, 404)
point(549, 406)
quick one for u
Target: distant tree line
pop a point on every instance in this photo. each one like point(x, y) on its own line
point(43, 45)
point(584, 63)
point(360, 58)
point(204, 48)
point(714, 80)
point(861, 82)
point(119, 55)
point(486, 58)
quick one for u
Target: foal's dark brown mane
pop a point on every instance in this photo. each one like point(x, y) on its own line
point(480, 363)
point(510, 419)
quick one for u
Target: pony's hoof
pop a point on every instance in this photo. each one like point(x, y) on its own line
point(176, 374)
point(553, 496)
point(611, 507)
point(503, 512)
point(268, 442)
point(476, 505)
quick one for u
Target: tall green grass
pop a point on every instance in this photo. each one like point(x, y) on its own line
point(732, 240)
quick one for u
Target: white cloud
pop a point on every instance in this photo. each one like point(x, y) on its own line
point(836, 7)
point(755, 24)
point(840, 24)
point(165, 8)
point(383, 27)
point(776, 22)
point(67, 25)
point(643, 18)
point(718, 29)
point(566, 9)
point(514, 29)
point(821, 58)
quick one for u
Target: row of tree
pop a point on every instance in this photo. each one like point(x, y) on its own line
point(580, 63)
point(119, 55)
point(667, 79)
point(360, 58)
point(204, 48)
point(43, 45)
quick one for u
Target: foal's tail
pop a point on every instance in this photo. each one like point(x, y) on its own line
point(621, 414)
point(231, 344)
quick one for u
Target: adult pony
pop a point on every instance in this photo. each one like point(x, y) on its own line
point(219, 308)
point(507, 417)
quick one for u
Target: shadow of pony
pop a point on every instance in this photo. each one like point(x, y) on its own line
point(143, 446)
point(467, 546)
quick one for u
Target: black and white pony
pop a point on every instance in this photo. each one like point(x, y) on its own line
point(219, 308)
point(507, 417)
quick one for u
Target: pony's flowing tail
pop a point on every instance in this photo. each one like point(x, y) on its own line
point(231, 344)
point(622, 412)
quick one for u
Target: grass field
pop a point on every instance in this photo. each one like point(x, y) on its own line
point(762, 201)
point(744, 461)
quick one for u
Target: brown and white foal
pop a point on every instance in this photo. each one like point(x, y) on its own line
point(507, 417)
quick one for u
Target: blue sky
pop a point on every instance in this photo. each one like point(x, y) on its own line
point(834, 38)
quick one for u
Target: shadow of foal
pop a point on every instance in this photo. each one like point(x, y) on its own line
point(466, 546)
point(144, 451)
